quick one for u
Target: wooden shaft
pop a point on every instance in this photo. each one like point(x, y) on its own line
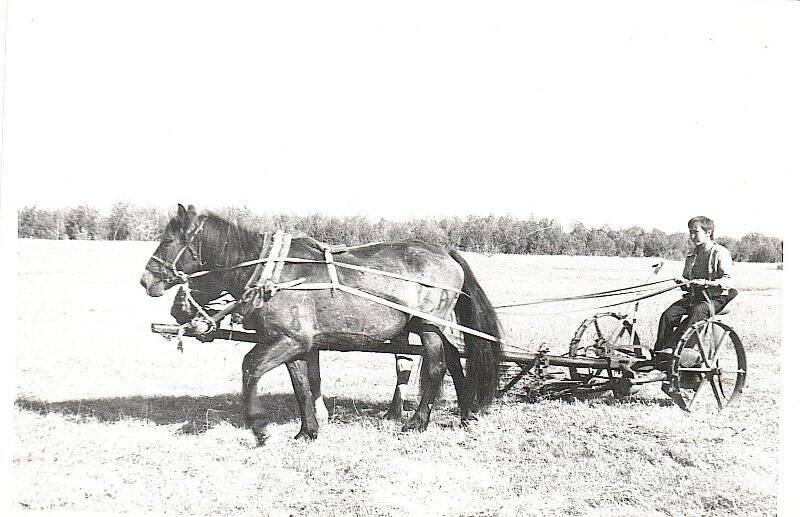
point(576, 362)
point(402, 346)
point(396, 346)
point(224, 312)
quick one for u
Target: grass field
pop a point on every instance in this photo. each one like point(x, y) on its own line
point(111, 418)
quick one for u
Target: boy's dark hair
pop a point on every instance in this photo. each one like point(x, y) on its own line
point(705, 223)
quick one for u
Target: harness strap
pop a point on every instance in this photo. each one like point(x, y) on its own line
point(402, 308)
point(274, 252)
point(328, 252)
point(287, 243)
point(271, 269)
point(293, 260)
point(342, 248)
point(259, 264)
point(190, 298)
point(331, 269)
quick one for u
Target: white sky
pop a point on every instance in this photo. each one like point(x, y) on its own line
point(611, 112)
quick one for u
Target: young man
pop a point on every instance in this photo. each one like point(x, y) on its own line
point(708, 268)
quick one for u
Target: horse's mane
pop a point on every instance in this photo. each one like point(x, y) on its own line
point(219, 231)
point(249, 238)
point(309, 244)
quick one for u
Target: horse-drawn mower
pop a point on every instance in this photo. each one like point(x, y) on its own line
point(707, 368)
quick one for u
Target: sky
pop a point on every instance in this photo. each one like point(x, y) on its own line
point(616, 112)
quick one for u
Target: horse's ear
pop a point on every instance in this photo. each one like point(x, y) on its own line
point(191, 210)
point(181, 211)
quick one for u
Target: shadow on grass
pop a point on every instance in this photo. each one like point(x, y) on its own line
point(197, 414)
point(630, 401)
point(598, 399)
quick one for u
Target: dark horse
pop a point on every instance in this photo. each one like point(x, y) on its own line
point(293, 323)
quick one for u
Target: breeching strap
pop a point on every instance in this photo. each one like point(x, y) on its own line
point(402, 308)
point(335, 285)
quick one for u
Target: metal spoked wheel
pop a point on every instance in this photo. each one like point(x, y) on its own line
point(709, 367)
point(602, 335)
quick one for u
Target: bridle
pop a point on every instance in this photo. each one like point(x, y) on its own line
point(183, 277)
point(189, 246)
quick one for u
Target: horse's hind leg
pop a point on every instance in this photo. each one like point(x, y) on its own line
point(315, 383)
point(466, 397)
point(298, 371)
point(431, 374)
point(258, 361)
point(403, 365)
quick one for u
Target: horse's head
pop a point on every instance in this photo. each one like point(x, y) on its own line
point(178, 253)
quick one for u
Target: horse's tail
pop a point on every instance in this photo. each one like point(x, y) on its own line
point(483, 356)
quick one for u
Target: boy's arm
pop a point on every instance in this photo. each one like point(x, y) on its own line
point(724, 268)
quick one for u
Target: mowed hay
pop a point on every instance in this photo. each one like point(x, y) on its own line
point(111, 418)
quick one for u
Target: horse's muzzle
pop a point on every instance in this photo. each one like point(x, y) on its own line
point(152, 284)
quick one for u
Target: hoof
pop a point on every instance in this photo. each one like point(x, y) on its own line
point(260, 433)
point(305, 435)
point(393, 414)
point(414, 424)
point(466, 423)
point(468, 416)
point(261, 438)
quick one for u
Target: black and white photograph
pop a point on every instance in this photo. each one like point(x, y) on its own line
point(518, 258)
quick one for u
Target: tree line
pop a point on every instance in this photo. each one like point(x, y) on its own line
point(483, 234)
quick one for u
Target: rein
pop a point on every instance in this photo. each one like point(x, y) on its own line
point(604, 294)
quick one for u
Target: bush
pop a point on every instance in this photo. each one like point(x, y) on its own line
point(82, 223)
point(755, 247)
point(484, 234)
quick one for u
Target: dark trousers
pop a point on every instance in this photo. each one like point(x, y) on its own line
point(670, 326)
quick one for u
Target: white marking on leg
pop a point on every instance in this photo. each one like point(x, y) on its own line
point(402, 390)
point(320, 410)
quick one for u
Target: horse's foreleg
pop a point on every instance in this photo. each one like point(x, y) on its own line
point(315, 383)
point(298, 371)
point(403, 365)
point(258, 361)
point(431, 373)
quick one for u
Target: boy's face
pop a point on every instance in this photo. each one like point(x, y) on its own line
point(698, 235)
